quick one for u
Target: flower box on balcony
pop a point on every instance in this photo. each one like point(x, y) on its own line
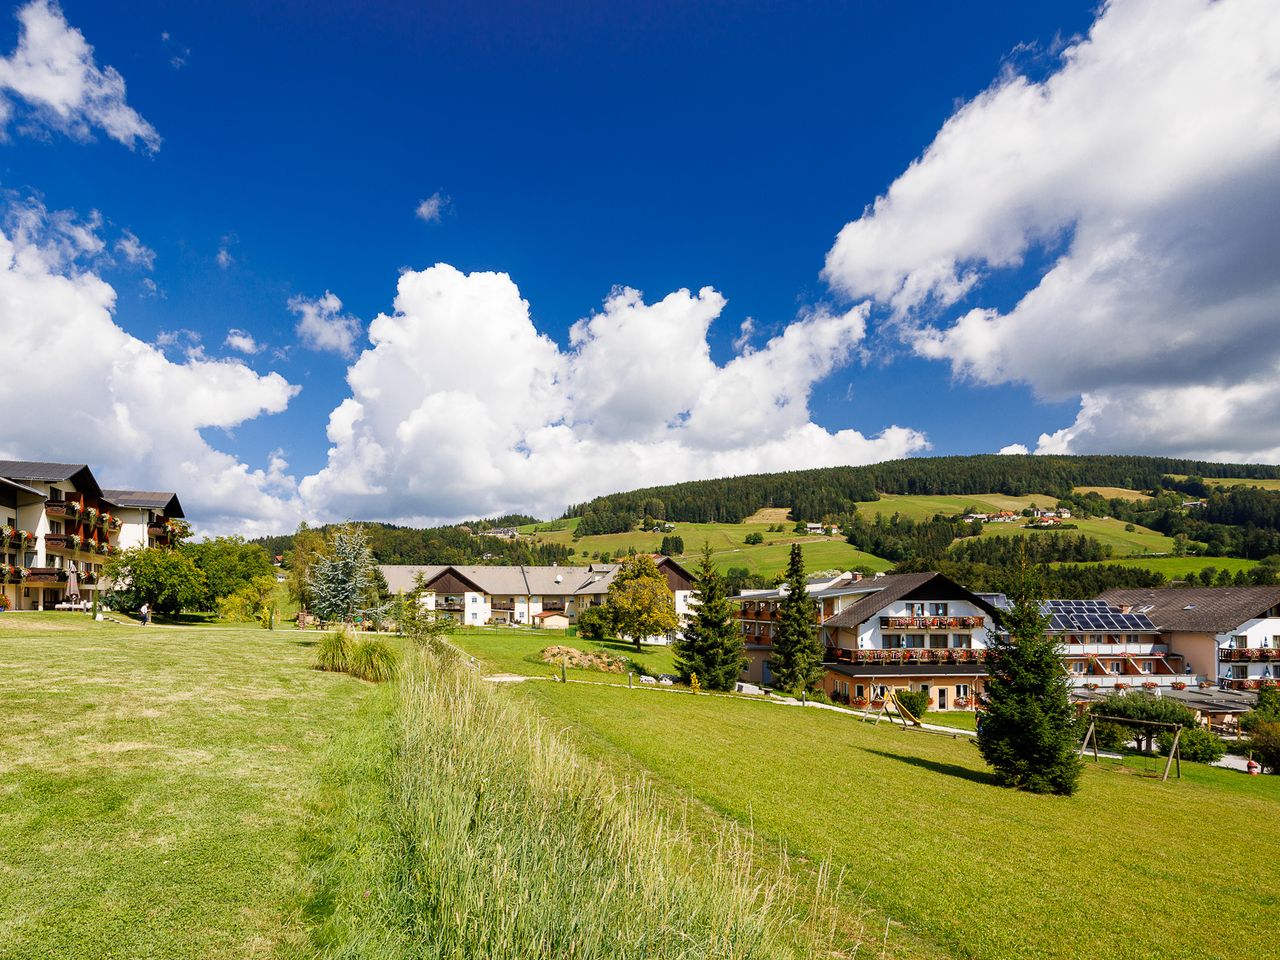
point(1178, 685)
point(1149, 685)
point(1122, 686)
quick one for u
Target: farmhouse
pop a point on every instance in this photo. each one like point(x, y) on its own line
point(514, 595)
point(56, 522)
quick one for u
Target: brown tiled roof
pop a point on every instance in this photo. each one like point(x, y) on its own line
point(1196, 609)
point(165, 501)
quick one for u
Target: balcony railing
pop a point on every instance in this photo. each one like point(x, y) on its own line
point(452, 606)
point(62, 508)
point(501, 607)
point(1249, 654)
point(907, 655)
point(1253, 683)
point(1115, 649)
point(931, 623)
point(46, 575)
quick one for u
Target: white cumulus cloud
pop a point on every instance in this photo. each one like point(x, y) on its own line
point(53, 73)
point(323, 326)
point(1146, 166)
point(243, 342)
point(460, 406)
point(135, 251)
point(121, 404)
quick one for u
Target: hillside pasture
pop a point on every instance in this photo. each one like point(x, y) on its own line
point(936, 855)
point(924, 507)
point(1106, 530)
point(1115, 493)
point(1265, 484)
point(770, 515)
point(1178, 568)
point(820, 553)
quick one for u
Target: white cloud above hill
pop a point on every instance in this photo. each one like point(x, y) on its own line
point(1148, 163)
point(461, 407)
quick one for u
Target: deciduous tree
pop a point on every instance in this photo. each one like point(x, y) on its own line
point(164, 579)
point(640, 602)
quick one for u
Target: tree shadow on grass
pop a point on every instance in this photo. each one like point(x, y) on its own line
point(949, 769)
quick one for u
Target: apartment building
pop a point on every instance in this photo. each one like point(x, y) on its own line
point(57, 528)
point(523, 595)
point(913, 631)
point(148, 518)
point(1227, 636)
point(1107, 647)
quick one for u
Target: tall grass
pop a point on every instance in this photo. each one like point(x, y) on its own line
point(493, 838)
point(373, 659)
point(334, 651)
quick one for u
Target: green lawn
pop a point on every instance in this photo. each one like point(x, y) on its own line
point(964, 719)
point(1269, 484)
point(958, 866)
point(520, 652)
point(1106, 530)
point(1114, 493)
point(153, 783)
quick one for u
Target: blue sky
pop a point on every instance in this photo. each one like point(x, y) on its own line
point(678, 146)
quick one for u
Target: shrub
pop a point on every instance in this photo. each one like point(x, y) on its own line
point(595, 623)
point(1112, 736)
point(694, 683)
point(753, 538)
point(373, 659)
point(915, 702)
point(334, 652)
point(1264, 745)
point(1197, 744)
point(1267, 710)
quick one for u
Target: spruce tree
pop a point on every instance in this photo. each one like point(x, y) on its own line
point(341, 582)
point(1028, 732)
point(797, 651)
point(711, 646)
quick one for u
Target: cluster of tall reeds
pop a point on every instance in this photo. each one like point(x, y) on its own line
point(496, 839)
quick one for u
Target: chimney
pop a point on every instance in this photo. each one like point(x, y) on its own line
point(1127, 608)
point(855, 576)
point(879, 574)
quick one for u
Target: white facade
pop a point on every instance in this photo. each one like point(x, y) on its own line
point(1250, 654)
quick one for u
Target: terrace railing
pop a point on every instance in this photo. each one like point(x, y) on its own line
point(907, 655)
point(1249, 654)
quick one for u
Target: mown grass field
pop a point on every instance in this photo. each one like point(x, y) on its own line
point(958, 866)
point(520, 652)
point(153, 783)
point(819, 554)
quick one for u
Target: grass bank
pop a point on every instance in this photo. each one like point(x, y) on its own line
point(519, 651)
point(152, 781)
point(465, 827)
point(1127, 868)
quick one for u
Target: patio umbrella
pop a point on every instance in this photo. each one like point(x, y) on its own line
point(73, 585)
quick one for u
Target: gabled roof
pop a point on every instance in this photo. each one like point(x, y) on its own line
point(166, 502)
point(21, 488)
point(1196, 609)
point(893, 587)
point(400, 576)
point(78, 473)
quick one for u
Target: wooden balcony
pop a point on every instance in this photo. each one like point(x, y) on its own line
point(60, 509)
point(931, 623)
point(1252, 683)
point(1249, 654)
point(907, 656)
point(46, 575)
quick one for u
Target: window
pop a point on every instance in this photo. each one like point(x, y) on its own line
point(961, 640)
point(859, 690)
point(962, 690)
point(55, 494)
point(474, 598)
point(1146, 666)
point(1239, 641)
point(915, 609)
point(914, 640)
point(55, 526)
point(937, 609)
point(892, 641)
point(1077, 666)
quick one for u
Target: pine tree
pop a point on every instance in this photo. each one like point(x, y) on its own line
point(341, 581)
point(1028, 731)
point(797, 652)
point(711, 647)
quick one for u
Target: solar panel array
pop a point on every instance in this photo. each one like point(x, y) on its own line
point(1093, 616)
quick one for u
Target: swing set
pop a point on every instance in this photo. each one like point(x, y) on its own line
point(1174, 761)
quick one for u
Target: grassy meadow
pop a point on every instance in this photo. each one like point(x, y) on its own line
point(956, 866)
point(1178, 568)
point(1115, 493)
point(1106, 530)
point(152, 783)
point(519, 651)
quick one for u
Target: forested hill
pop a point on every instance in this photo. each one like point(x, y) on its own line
point(464, 543)
point(813, 494)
